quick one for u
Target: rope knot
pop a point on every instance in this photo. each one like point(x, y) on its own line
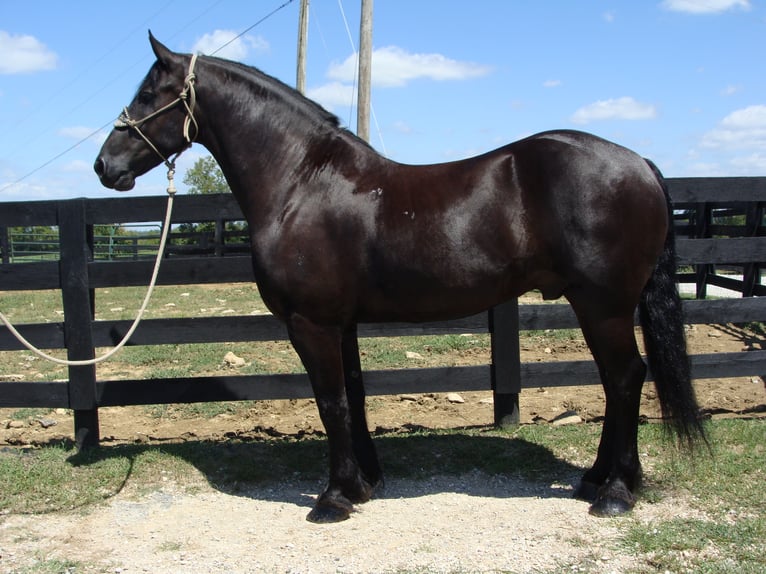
point(171, 183)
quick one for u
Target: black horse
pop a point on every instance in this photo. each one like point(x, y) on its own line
point(341, 235)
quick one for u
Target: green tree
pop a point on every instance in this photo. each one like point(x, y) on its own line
point(206, 177)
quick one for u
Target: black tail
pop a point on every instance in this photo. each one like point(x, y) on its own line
point(661, 315)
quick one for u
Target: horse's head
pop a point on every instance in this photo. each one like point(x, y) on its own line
point(157, 124)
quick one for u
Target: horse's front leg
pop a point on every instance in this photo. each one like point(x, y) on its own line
point(364, 448)
point(320, 349)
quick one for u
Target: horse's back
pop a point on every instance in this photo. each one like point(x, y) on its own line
point(547, 212)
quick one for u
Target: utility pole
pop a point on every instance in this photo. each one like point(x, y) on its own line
point(303, 34)
point(365, 72)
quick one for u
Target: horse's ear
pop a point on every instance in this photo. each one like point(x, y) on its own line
point(164, 55)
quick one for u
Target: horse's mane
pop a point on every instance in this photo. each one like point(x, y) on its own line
point(291, 96)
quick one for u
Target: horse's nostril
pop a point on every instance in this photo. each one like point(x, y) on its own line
point(99, 167)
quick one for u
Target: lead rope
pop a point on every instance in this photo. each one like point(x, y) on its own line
point(142, 309)
point(188, 97)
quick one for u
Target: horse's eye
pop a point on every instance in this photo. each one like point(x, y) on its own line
point(145, 97)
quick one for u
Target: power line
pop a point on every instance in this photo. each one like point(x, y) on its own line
point(83, 140)
point(54, 158)
point(354, 85)
point(76, 80)
point(246, 30)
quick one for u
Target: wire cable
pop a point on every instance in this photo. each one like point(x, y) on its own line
point(80, 142)
point(246, 30)
point(354, 85)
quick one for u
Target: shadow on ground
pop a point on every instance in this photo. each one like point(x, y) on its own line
point(477, 463)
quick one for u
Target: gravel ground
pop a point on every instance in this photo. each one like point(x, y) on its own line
point(472, 523)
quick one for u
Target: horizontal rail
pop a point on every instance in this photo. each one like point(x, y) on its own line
point(378, 382)
point(245, 328)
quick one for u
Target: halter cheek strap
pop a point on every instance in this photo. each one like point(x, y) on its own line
point(188, 97)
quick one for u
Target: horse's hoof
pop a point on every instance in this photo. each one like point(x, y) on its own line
point(328, 512)
point(614, 499)
point(609, 507)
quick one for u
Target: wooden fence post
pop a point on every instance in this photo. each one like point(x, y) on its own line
point(4, 244)
point(506, 362)
point(78, 334)
point(703, 214)
point(751, 273)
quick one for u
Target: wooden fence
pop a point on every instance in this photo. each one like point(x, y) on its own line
point(719, 221)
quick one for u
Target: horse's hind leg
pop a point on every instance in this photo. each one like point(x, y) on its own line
point(364, 448)
point(320, 349)
point(610, 483)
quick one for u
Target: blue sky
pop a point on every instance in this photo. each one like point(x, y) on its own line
point(679, 81)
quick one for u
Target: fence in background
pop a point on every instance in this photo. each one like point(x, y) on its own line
point(721, 234)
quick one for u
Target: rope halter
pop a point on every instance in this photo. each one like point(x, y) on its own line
point(188, 97)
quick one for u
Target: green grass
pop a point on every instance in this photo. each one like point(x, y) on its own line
point(117, 303)
point(34, 481)
point(391, 352)
point(701, 546)
point(726, 488)
point(45, 565)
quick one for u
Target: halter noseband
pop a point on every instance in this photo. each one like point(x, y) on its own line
point(188, 97)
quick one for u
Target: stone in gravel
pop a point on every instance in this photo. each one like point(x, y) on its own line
point(410, 398)
point(16, 424)
point(47, 423)
point(455, 398)
point(233, 360)
point(413, 355)
point(567, 418)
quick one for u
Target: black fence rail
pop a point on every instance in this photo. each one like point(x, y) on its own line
point(721, 236)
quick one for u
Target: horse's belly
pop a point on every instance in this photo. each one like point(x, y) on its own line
point(412, 296)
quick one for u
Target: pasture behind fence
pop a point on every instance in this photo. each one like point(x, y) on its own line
point(720, 224)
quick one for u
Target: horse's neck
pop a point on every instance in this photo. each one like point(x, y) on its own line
point(264, 159)
point(276, 144)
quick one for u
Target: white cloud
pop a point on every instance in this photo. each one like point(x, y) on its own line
point(552, 83)
point(704, 6)
point(402, 127)
point(625, 108)
point(394, 67)
point(78, 166)
point(743, 128)
point(731, 90)
point(706, 169)
point(235, 48)
point(609, 16)
point(332, 95)
point(24, 54)
point(754, 163)
point(80, 133)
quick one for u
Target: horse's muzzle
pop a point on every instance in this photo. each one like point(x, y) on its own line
point(121, 181)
